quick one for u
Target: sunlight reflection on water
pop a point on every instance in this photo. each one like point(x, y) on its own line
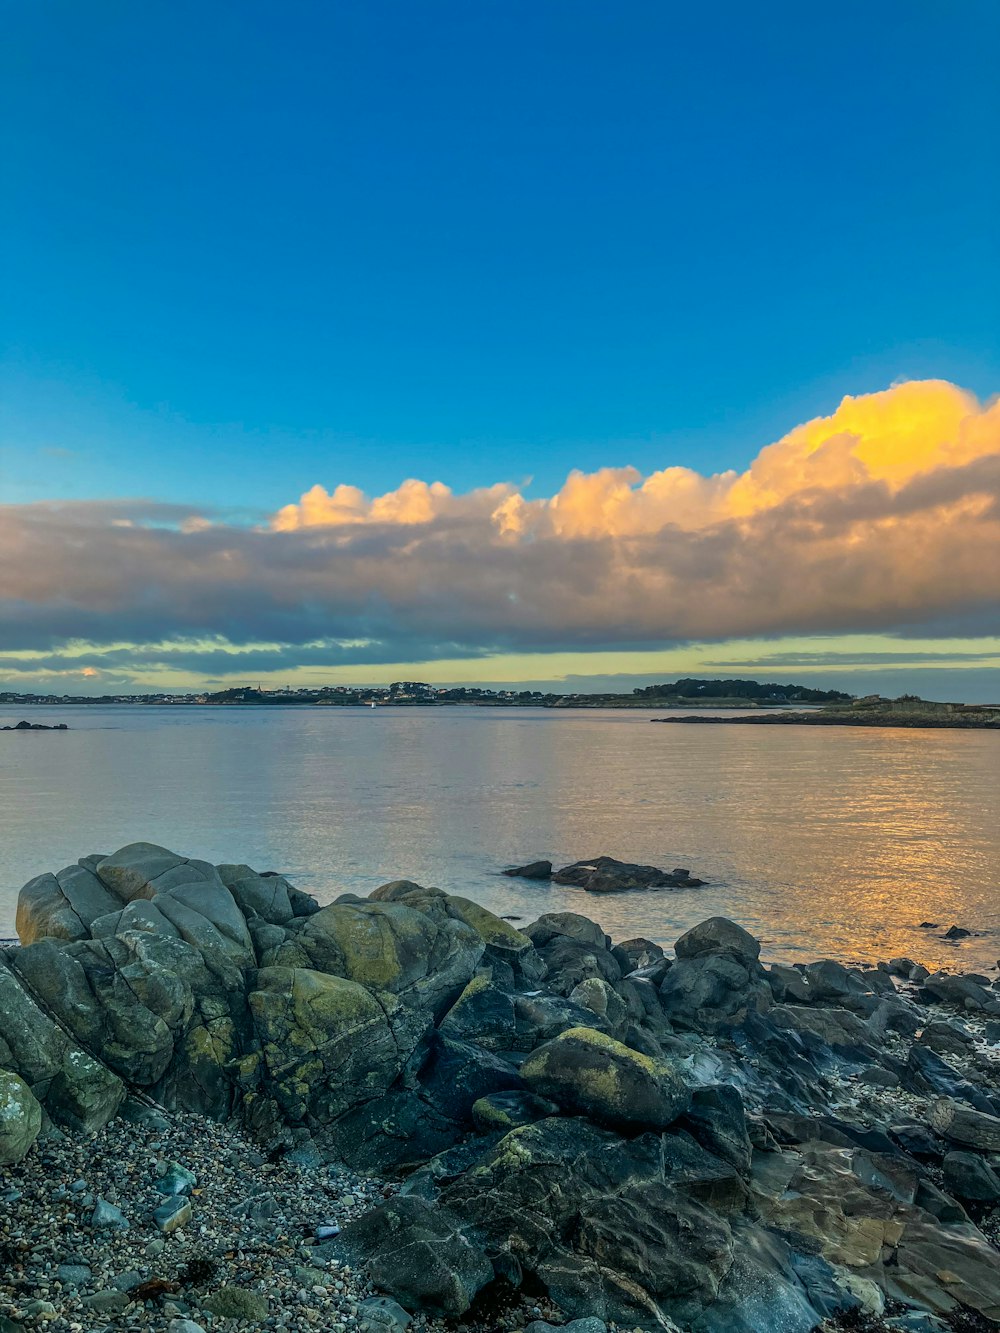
point(822, 841)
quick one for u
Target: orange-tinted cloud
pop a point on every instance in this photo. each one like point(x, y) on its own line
point(884, 515)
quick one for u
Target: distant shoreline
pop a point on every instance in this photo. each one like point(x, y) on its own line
point(988, 721)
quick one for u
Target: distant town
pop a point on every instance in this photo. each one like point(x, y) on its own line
point(418, 694)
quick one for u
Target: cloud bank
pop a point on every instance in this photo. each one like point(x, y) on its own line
point(883, 516)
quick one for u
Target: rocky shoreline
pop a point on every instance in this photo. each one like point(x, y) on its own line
point(222, 1106)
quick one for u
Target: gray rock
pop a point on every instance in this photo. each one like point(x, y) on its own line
point(718, 935)
point(232, 1302)
point(970, 1178)
point(172, 1214)
point(574, 1326)
point(107, 1215)
point(381, 1314)
point(20, 1118)
point(74, 1275)
point(106, 1302)
point(419, 1254)
point(963, 1126)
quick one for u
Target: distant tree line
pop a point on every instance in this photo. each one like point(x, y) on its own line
point(754, 690)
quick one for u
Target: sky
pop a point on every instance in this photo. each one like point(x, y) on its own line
point(563, 343)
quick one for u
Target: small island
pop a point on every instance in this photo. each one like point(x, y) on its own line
point(872, 711)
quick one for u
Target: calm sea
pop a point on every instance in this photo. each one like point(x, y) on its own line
point(824, 842)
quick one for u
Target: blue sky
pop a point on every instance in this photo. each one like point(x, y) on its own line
point(337, 242)
point(252, 248)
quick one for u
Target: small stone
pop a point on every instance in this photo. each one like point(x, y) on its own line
point(106, 1302)
point(173, 1213)
point(184, 1326)
point(73, 1275)
point(107, 1215)
point(236, 1303)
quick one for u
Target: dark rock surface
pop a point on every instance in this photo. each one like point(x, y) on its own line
point(604, 874)
point(702, 1143)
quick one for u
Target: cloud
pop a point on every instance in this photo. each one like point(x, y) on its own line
point(883, 516)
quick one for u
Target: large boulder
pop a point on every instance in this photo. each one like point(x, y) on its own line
point(589, 1073)
point(328, 1043)
point(76, 1091)
point(387, 946)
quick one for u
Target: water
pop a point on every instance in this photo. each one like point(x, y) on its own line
point(824, 842)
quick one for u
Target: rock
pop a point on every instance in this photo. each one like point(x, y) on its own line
point(632, 955)
point(459, 1073)
point(74, 1089)
point(574, 1326)
point(172, 1214)
point(838, 1028)
point(236, 1303)
point(876, 1077)
point(503, 1111)
point(553, 925)
point(74, 1275)
point(176, 1179)
point(328, 1043)
point(20, 1118)
point(106, 1302)
point(419, 1254)
point(961, 1125)
point(716, 981)
point(598, 997)
point(788, 985)
point(945, 1038)
point(107, 1215)
point(589, 1073)
point(483, 1012)
point(533, 870)
point(184, 1326)
point(929, 1073)
point(718, 935)
point(957, 933)
point(604, 874)
point(717, 1120)
point(969, 1178)
point(379, 1314)
point(961, 991)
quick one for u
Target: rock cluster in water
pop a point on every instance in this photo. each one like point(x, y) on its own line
point(603, 874)
point(700, 1142)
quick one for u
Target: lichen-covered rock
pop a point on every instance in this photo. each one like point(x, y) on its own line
point(589, 1073)
point(329, 1043)
point(76, 1091)
point(390, 947)
point(20, 1118)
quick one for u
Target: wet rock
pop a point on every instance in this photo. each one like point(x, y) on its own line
point(970, 1178)
point(603, 874)
point(533, 870)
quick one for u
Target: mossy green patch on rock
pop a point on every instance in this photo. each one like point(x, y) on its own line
point(589, 1073)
